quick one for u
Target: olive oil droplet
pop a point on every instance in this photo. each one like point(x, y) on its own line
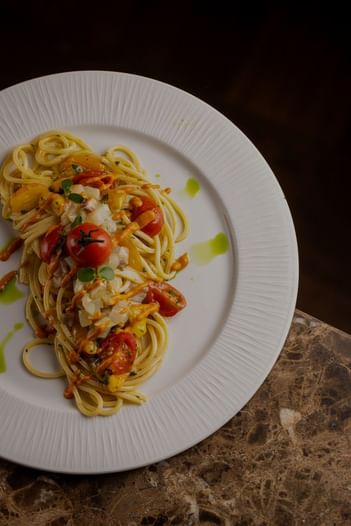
point(204, 252)
point(191, 188)
point(6, 244)
point(10, 293)
point(4, 341)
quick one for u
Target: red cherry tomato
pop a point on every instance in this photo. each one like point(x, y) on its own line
point(118, 352)
point(95, 178)
point(154, 227)
point(169, 298)
point(89, 245)
point(49, 242)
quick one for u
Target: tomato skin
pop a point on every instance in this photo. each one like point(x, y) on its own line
point(89, 245)
point(154, 227)
point(119, 352)
point(169, 298)
point(49, 242)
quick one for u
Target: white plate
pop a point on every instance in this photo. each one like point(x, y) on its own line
point(240, 305)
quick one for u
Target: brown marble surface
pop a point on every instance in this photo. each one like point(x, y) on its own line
point(283, 460)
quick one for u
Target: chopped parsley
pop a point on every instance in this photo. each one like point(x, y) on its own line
point(76, 198)
point(89, 273)
point(66, 185)
point(86, 274)
point(106, 273)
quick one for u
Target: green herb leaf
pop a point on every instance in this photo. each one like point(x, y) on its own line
point(78, 221)
point(76, 198)
point(76, 168)
point(86, 274)
point(106, 273)
point(66, 185)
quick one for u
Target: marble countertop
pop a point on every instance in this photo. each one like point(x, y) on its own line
point(283, 460)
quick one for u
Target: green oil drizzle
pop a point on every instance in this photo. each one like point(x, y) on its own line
point(191, 188)
point(6, 244)
point(10, 293)
point(203, 253)
point(158, 176)
point(4, 341)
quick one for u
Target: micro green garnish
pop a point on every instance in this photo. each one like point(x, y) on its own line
point(106, 273)
point(66, 185)
point(76, 198)
point(86, 274)
point(76, 168)
point(78, 221)
point(89, 273)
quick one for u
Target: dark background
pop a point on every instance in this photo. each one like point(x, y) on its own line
point(279, 70)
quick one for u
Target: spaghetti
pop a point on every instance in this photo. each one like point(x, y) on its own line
point(98, 251)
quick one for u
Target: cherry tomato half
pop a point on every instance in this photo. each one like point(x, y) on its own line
point(49, 242)
point(118, 352)
point(169, 298)
point(154, 227)
point(89, 245)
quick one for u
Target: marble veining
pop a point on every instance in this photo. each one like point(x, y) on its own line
point(283, 460)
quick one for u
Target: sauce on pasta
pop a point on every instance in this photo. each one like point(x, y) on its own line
point(98, 244)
